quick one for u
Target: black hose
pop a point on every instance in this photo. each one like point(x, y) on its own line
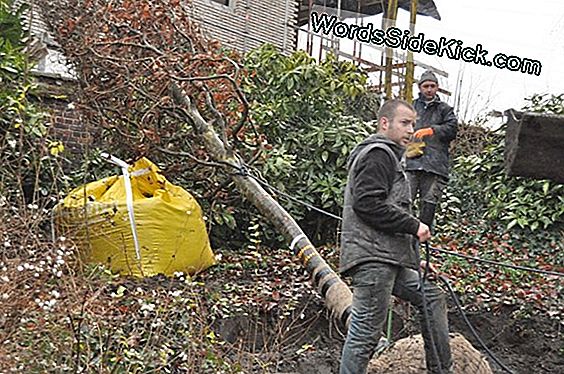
point(471, 327)
point(425, 314)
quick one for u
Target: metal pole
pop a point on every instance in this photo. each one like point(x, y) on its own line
point(309, 45)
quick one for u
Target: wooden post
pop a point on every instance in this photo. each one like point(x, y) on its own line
point(410, 69)
point(391, 16)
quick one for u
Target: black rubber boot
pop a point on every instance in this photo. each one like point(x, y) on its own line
point(427, 213)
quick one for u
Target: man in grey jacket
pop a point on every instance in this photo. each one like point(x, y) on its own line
point(436, 126)
point(377, 245)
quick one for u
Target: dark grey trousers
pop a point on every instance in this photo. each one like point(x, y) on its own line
point(428, 186)
point(373, 285)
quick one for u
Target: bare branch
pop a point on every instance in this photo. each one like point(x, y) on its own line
point(191, 157)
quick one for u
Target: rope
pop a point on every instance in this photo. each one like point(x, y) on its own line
point(267, 186)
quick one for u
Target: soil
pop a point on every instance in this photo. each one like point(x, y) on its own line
point(303, 339)
point(312, 344)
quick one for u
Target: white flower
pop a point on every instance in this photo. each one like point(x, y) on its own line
point(20, 268)
point(148, 307)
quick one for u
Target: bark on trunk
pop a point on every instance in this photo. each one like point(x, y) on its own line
point(337, 295)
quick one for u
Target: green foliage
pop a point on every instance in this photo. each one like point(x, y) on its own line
point(480, 186)
point(30, 171)
point(301, 106)
point(488, 214)
point(546, 104)
point(289, 93)
point(285, 89)
point(11, 33)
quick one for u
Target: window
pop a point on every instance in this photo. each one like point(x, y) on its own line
point(222, 2)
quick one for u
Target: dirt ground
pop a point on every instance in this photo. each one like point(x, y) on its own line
point(287, 329)
point(312, 345)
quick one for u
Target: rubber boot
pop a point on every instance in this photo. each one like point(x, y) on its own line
point(427, 213)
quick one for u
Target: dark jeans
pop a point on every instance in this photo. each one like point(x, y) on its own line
point(373, 285)
point(429, 186)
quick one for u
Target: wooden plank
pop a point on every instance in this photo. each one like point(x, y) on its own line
point(534, 145)
point(373, 67)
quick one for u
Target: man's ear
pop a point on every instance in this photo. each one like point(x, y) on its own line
point(384, 123)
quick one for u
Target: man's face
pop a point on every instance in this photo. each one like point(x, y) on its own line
point(429, 89)
point(400, 129)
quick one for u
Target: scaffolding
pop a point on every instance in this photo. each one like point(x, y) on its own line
point(391, 72)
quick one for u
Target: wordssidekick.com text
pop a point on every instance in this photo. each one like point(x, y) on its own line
point(394, 37)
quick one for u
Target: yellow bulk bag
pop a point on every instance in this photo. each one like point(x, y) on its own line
point(170, 228)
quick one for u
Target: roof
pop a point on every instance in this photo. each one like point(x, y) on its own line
point(366, 7)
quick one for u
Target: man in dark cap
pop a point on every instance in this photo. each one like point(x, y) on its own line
point(436, 125)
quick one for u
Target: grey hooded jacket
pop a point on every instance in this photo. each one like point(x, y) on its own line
point(388, 235)
point(441, 118)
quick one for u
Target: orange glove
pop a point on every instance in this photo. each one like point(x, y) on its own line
point(427, 131)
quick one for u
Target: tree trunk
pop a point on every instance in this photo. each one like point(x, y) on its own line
point(337, 295)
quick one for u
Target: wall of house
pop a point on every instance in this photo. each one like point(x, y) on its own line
point(67, 127)
point(55, 95)
point(246, 24)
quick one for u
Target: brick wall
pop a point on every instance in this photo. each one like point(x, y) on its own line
point(67, 127)
point(56, 95)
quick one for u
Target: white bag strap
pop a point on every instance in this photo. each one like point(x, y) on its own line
point(128, 196)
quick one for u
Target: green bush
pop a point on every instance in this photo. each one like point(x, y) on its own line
point(301, 106)
point(481, 182)
point(29, 169)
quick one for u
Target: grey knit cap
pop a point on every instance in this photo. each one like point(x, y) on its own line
point(428, 76)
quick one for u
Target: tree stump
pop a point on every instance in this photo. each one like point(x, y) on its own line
point(534, 145)
point(407, 356)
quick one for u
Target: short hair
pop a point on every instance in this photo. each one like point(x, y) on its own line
point(389, 108)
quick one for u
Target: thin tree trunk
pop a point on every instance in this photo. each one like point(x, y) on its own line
point(337, 295)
